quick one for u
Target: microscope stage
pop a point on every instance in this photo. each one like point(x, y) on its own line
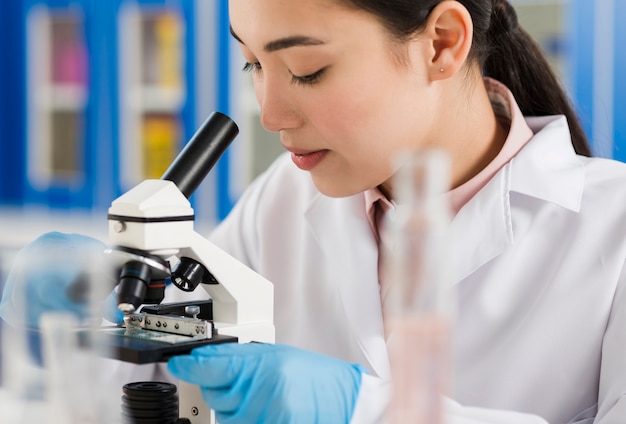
point(147, 346)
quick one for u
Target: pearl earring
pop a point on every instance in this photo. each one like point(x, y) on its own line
point(440, 69)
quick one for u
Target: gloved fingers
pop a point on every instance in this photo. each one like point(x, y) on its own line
point(206, 371)
point(25, 298)
point(47, 293)
point(224, 401)
point(49, 286)
point(227, 402)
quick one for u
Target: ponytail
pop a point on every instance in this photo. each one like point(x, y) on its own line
point(517, 61)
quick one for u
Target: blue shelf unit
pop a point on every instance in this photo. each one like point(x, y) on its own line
point(11, 104)
point(619, 103)
point(75, 156)
point(597, 62)
point(106, 95)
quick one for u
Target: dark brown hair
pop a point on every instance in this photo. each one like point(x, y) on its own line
point(504, 50)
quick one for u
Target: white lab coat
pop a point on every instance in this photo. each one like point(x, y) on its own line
point(540, 280)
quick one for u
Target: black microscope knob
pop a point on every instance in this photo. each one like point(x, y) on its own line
point(190, 273)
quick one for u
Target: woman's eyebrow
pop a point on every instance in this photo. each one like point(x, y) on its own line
point(284, 43)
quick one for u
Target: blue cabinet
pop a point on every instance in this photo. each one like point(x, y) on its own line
point(58, 102)
point(11, 104)
point(109, 96)
point(105, 94)
point(597, 64)
point(583, 40)
point(619, 88)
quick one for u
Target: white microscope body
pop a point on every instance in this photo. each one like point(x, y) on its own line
point(156, 217)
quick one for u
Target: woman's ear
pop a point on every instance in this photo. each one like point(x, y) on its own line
point(449, 31)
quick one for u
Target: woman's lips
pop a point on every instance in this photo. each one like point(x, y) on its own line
point(308, 161)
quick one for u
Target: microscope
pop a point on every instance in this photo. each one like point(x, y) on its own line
point(152, 240)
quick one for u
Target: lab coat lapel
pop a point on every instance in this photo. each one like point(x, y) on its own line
point(549, 169)
point(482, 229)
point(341, 229)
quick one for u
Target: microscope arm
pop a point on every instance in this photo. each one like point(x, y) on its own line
point(243, 301)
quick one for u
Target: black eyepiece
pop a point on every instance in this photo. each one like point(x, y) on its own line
point(201, 152)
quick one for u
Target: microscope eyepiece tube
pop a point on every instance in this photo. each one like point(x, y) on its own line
point(201, 153)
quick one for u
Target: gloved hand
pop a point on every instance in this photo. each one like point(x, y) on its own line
point(266, 383)
point(44, 278)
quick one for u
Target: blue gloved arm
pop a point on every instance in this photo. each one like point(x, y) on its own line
point(265, 383)
point(42, 276)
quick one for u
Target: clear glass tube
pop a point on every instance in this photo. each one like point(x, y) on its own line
point(23, 383)
point(418, 307)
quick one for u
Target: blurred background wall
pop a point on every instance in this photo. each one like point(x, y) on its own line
point(97, 95)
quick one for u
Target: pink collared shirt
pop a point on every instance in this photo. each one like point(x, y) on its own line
point(509, 113)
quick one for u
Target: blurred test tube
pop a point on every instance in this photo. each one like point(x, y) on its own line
point(418, 308)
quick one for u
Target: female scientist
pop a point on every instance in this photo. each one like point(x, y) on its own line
point(539, 227)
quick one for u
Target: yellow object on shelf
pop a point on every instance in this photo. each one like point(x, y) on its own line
point(161, 135)
point(168, 32)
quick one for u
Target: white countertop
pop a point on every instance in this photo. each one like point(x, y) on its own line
point(15, 411)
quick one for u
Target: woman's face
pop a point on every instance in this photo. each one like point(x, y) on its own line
point(329, 80)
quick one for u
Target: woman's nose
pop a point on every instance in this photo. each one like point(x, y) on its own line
point(278, 111)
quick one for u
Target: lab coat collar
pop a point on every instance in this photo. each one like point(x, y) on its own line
point(546, 169)
point(351, 252)
point(549, 168)
point(482, 229)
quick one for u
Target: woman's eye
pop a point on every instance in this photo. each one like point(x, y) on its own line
point(308, 79)
point(252, 67)
point(256, 68)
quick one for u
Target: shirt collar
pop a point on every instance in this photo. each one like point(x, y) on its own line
point(374, 198)
point(508, 112)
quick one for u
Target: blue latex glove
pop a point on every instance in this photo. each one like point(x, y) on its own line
point(42, 276)
point(265, 383)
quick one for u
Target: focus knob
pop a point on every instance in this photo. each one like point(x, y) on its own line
point(189, 273)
